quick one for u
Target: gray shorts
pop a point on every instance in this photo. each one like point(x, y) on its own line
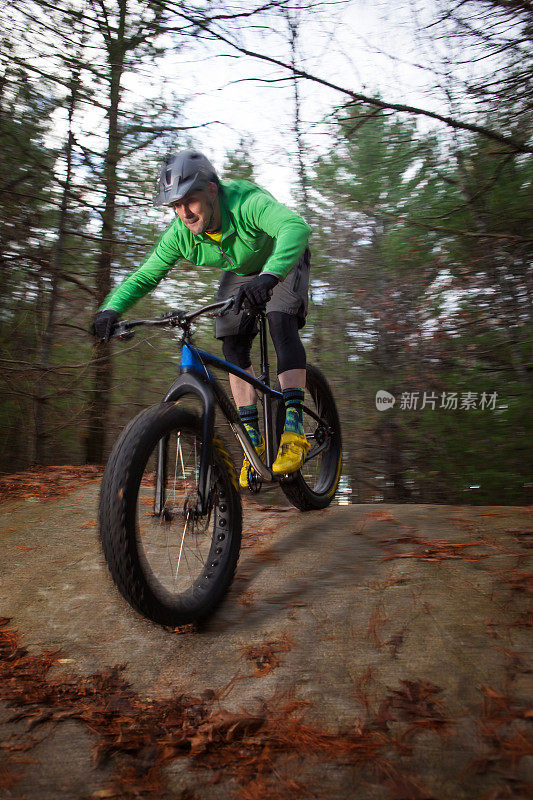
point(290, 296)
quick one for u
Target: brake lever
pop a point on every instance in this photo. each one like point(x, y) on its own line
point(225, 308)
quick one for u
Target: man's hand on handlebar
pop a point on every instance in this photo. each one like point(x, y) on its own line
point(104, 324)
point(256, 294)
point(107, 324)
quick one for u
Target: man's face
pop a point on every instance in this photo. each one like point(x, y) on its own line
point(197, 210)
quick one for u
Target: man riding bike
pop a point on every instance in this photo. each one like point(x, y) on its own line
point(262, 247)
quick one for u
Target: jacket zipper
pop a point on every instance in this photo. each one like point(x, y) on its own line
point(225, 255)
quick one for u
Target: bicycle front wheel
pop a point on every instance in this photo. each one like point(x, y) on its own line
point(170, 563)
point(314, 486)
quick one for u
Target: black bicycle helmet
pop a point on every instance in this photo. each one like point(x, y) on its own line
point(181, 173)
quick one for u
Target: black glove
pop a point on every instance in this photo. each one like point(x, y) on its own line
point(104, 323)
point(256, 293)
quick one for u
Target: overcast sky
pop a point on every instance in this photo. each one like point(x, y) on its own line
point(368, 46)
point(341, 45)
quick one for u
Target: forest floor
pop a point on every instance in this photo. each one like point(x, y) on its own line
point(365, 651)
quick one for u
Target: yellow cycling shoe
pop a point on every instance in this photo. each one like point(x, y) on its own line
point(291, 453)
point(243, 477)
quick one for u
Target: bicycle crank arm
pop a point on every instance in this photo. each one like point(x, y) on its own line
point(315, 451)
point(250, 452)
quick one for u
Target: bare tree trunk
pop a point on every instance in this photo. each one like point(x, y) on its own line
point(102, 365)
point(303, 180)
point(40, 399)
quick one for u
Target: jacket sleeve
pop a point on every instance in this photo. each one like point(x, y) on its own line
point(289, 231)
point(146, 277)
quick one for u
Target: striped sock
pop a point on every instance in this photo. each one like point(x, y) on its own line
point(250, 418)
point(294, 399)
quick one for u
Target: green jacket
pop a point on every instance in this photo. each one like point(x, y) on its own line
point(258, 235)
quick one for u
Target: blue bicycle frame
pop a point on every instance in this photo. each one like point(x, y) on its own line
point(196, 379)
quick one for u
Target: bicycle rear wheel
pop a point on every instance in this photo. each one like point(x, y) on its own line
point(314, 486)
point(169, 562)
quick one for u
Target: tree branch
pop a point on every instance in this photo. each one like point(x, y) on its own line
point(376, 102)
point(164, 128)
point(66, 277)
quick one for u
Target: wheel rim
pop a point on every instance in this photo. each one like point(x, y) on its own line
point(319, 471)
point(181, 551)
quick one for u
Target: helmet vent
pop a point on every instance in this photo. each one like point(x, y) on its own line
point(182, 173)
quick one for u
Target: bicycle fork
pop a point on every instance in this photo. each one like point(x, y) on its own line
point(188, 383)
point(208, 393)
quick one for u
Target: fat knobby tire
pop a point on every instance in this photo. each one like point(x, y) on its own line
point(295, 487)
point(118, 520)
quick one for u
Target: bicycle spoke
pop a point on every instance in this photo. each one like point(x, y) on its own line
point(181, 544)
point(181, 459)
point(187, 539)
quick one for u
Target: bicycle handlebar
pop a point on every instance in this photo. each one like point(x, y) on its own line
point(222, 305)
point(182, 319)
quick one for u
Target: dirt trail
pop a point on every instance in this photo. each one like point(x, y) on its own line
point(364, 651)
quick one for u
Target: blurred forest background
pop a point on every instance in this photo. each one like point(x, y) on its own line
point(421, 248)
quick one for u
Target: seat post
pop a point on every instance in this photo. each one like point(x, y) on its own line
point(265, 377)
